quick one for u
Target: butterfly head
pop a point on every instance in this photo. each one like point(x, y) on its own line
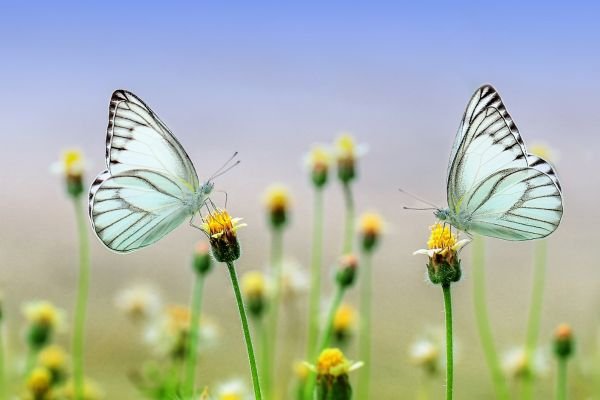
point(442, 214)
point(207, 188)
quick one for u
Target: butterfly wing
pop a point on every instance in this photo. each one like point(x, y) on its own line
point(136, 208)
point(137, 139)
point(494, 185)
point(142, 194)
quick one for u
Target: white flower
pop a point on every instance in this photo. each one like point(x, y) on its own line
point(516, 365)
point(139, 302)
point(234, 389)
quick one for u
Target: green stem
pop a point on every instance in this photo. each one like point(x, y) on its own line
point(246, 330)
point(349, 224)
point(192, 354)
point(561, 379)
point(2, 361)
point(365, 326)
point(325, 339)
point(482, 318)
point(315, 274)
point(82, 299)
point(273, 314)
point(449, 343)
point(535, 312)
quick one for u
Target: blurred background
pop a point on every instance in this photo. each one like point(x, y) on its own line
point(269, 80)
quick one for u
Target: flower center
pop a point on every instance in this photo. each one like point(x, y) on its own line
point(441, 237)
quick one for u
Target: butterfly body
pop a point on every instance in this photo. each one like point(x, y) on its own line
point(495, 187)
point(150, 185)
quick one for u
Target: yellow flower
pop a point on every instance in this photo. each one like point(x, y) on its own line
point(344, 319)
point(301, 370)
point(222, 232)
point(254, 284)
point(370, 228)
point(318, 161)
point(442, 249)
point(277, 201)
point(71, 164)
point(347, 152)
point(53, 358)
point(43, 313)
point(543, 151)
point(140, 302)
point(91, 391)
point(333, 363)
point(39, 382)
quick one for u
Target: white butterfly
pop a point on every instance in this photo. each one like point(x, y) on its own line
point(150, 185)
point(495, 187)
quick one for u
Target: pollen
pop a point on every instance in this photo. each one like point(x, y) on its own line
point(220, 223)
point(332, 362)
point(441, 237)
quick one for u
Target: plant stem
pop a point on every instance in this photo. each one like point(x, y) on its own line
point(349, 224)
point(482, 318)
point(535, 312)
point(315, 275)
point(246, 330)
point(364, 352)
point(82, 298)
point(2, 361)
point(449, 343)
point(561, 379)
point(325, 339)
point(192, 349)
point(273, 314)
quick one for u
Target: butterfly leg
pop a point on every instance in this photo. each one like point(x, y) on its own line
point(192, 222)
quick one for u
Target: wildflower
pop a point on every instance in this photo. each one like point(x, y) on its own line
point(232, 390)
point(54, 359)
point(202, 262)
point(332, 375)
point(344, 322)
point(39, 382)
point(563, 341)
point(347, 152)
point(44, 319)
point(72, 167)
point(140, 302)
point(254, 288)
point(301, 370)
point(294, 279)
point(442, 250)
point(91, 391)
point(543, 151)
point(346, 274)
point(370, 229)
point(318, 161)
point(518, 366)
point(426, 353)
point(277, 200)
point(222, 232)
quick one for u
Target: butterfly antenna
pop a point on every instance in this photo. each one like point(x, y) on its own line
point(224, 171)
point(419, 209)
point(225, 167)
point(414, 196)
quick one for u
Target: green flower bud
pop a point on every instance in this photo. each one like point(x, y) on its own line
point(202, 263)
point(346, 274)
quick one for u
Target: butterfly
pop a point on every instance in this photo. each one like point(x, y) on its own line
point(150, 185)
point(495, 187)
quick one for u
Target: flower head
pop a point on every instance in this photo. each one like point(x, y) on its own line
point(72, 166)
point(254, 288)
point(347, 270)
point(39, 382)
point(518, 365)
point(202, 263)
point(564, 345)
point(54, 359)
point(277, 200)
point(43, 320)
point(344, 322)
point(318, 161)
point(427, 350)
point(234, 389)
point(442, 249)
point(91, 391)
point(140, 302)
point(332, 374)
point(370, 229)
point(347, 152)
point(221, 230)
